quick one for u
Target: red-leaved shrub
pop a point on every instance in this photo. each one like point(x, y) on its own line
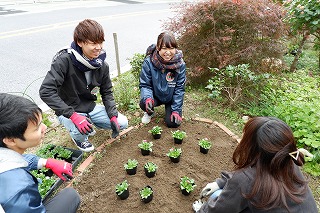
point(217, 33)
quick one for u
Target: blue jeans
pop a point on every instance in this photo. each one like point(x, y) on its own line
point(99, 118)
point(216, 194)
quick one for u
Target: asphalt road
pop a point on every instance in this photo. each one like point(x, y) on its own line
point(31, 34)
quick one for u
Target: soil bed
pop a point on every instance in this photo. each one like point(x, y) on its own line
point(97, 186)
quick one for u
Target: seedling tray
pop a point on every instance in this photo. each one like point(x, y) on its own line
point(76, 159)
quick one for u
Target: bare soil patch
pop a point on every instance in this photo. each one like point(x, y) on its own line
point(97, 185)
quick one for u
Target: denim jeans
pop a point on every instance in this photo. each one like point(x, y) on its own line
point(216, 194)
point(99, 118)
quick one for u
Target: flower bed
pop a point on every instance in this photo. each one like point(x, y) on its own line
point(97, 186)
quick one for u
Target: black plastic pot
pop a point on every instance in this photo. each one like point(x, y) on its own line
point(177, 140)
point(132, 171)
point(203, 150)
point(184, 192)
point(157, 136)
point(124, 195)
point(145, 152)
point(149, 174)
point(175, 160)
point(148, 199)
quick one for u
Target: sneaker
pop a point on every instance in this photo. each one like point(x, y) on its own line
point(92, 133)
point(85, 146)
point(146, 118)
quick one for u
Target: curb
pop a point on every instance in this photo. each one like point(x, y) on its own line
point(85, 164)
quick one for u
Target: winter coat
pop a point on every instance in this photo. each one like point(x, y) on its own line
point(168, 86)
point(65, 88)
point(18, 187)
point(239, 182)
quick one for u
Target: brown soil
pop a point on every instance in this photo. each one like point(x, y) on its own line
point(97, 185)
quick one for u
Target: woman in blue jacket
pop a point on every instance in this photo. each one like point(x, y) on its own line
point(162, 80)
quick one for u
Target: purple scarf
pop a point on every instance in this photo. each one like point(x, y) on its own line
point(83, 63)
point(175, 63)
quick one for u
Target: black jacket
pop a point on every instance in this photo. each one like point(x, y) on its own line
point(65, 89)
point(234, 184)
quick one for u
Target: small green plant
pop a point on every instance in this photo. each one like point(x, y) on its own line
point(45, 151)
point(46, 182)
point(151, 167)
point(145, 145)
point(145, 192)
point(52, 151)
point(205, 143)
point(121, 187)
point(45, 119)
point(132, 163)
point(179, 134)
point(187, 184)
point(62, 152)
point(155, 130)
point(174, 152)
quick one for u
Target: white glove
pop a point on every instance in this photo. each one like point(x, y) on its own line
point(209, 189)
point(305, 152)
point(197, 205)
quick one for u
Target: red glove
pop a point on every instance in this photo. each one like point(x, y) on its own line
point(83, 124)
point(61, 168)
point(114, 126)
point(149, 106)
point(175, 118)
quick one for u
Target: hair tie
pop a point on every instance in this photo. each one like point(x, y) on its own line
point(294, 154)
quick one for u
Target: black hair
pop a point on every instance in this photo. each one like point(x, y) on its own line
point(15, 113)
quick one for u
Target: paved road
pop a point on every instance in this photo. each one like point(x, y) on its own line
point(30, 34)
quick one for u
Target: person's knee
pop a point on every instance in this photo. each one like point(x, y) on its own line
point(123, 122)
point(72, 194)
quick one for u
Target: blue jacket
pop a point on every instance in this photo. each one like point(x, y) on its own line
point(18, 187)
point(167, 86)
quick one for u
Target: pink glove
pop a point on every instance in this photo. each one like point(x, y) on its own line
point(61, 168)
point(115, 127)
point(175, 118)
point(83, 124)
point(149, 106)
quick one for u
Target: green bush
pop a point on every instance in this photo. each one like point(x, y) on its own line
point(294, 98)
point(219, 33)
point(233, 82)
point(136, 64)
point(126, 97)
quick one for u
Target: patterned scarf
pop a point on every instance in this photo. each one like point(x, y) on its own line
point(175, 63)
point(82, 62)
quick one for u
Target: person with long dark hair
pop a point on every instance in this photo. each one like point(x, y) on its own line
point(267, 177)
point(162, 80)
